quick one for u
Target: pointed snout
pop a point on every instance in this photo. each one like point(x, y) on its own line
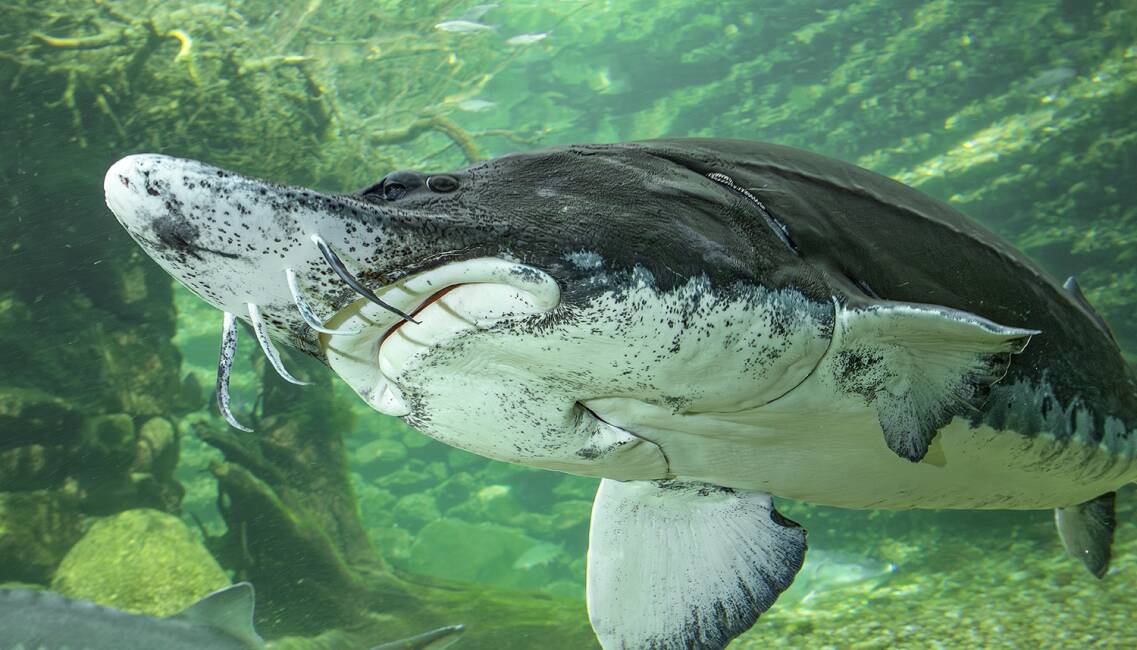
point(246, 245)
point(125, 185)
point(227, 237)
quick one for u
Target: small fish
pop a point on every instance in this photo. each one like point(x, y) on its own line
point(526, 39)
point(45, 620)
point(1052, 77)
point(540, 554)
point(475, 105)
point(463, 27)
point(831, 570)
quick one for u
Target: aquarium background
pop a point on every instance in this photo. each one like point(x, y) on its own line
point(119, 482)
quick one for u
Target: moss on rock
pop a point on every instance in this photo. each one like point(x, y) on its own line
point(142, 561)
point(488, 553)
point(36, 530)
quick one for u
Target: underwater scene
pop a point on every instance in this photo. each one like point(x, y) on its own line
point(369, 402)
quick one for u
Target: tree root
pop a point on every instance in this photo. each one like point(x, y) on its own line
point(439, 123)
point(102, 39)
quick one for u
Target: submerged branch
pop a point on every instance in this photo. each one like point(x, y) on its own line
point(102, 39)
point(437, 123)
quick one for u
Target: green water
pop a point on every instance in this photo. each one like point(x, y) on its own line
point(356, 529)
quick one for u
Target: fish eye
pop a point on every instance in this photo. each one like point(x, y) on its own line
point(396, 185)
point(394, 191)
point(442, 183)
point(373, 190)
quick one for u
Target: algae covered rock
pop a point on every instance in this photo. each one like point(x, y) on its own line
point(414, 511)
point(108, 443)
point(380, 455)
point(455, 489)
point(33, 467)
point(156, 450)
point(460, 459)
point(36, 529)
point(570, 514)
point(404, 481)
point(476, 552)
point(376, 505)
point(142, 561)
point(32, 416)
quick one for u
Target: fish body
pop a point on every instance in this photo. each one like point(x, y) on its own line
point(538, 555)
point(463, 26)
point(42, 620)
point(703, 324)
point(475, 105)
point(826, 571)
point(1051, 77)
point(526, 39)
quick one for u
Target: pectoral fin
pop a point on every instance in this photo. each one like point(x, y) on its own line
point(685, 566)
point(1086, 531)
point(918, 366)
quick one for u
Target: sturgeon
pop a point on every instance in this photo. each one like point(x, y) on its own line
point(32, 619)
point(43, 620)
point(703, 324)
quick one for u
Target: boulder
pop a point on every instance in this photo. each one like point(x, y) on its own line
point(571, 514)
point(404, 481)
point(379, 456)
point(416, 510)
point(32, 467)
point(30, 416)
point(143, 561)
point(36, 530)
point(156, 449)
point(108, 444)
point(454, 490)
point(460, 459)
point(376, 505)
point(483, 553)
point(415, 440)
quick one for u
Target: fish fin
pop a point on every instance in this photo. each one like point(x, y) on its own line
point(443, 637)
point(685, 566)
point(918, 366)
point(1086, 530)
point(1075, 290)
point(229, 610)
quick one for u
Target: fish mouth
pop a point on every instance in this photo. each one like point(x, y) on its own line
point(371, 348)
point(412, 315)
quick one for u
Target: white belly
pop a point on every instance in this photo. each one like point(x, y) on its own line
point(806, 449)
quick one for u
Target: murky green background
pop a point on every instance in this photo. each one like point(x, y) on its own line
point(359, 530)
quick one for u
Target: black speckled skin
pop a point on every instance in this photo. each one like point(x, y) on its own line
point(851, 223)
point(859, 235)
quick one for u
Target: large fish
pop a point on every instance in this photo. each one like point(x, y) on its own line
point(223, 620)
point(704, 324)
point(42, 620)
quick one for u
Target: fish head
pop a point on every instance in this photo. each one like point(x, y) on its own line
point(234, 240)
point(498, 307)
